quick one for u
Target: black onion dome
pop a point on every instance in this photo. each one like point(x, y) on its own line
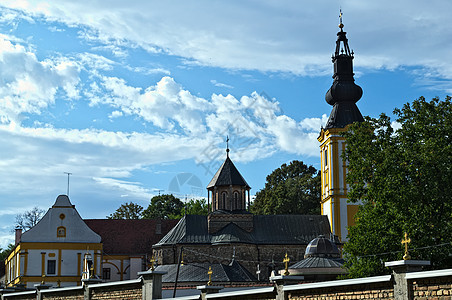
point(343, 93)
point(322, 247)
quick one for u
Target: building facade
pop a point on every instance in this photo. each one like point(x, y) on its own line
point(52, 251)
point(342, 95)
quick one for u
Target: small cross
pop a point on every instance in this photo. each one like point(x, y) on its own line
point(340, 19)
point(182, 259)
point(152, 261)
point(286, 262)
point(59, 283)
point(210, 276)
point(406, 241)
point(43, 279)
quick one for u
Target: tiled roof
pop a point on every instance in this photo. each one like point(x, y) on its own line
point(227, 175)
point(129, 237)
point(268, 230)
point(197, 272)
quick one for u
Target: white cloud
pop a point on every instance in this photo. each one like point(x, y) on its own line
point(264, 36)
point(219, 84)
point(29, 85)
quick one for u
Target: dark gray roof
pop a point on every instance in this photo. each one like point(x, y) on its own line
point(197, 272)
point(227, 175)
point(343, 113)
point(268, 230)
point(318, 262)
point(322, 247)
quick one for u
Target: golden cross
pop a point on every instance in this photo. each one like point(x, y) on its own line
point(92, 272)
point(43, 279)
point(406, 241)
point(182, 259)
point(286, 262)
point(340, 19)
point(210, 276)
point(152, 261)
point(59, 283)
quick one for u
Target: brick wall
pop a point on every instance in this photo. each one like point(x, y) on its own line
point(365, 291)
point(432, 288)
point(70, 295)
point(130, 292)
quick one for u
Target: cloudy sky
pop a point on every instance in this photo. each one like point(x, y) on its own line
point(137, 97)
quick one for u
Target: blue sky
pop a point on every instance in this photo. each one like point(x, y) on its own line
point(137, 97)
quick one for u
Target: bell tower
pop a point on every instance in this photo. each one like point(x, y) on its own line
point(342, 95)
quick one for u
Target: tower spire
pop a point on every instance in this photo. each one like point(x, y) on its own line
point(344, 93)
point(227, 145)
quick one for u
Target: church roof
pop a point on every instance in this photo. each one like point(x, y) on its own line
point(227, 175)
point(268, 230)
point(129, 237)
point(318, 262)
point(197, 272)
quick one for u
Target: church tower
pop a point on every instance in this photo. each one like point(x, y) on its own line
point(342, 95)
point(228, 190)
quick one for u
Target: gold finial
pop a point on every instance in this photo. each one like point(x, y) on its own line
point(210, 276)
point(182, 259)
point(59, 283)
point(286, 262)
point(340, 19)
point(92, 272)
point(152, 261)
point(43, 279)
point(406, 241)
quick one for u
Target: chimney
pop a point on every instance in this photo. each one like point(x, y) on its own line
point(18, 235)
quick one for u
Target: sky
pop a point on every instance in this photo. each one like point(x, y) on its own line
point(136, 98)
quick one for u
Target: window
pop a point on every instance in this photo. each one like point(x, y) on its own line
point(224, 200)
point(61, 231)
point(106, 273)
point(326, 157)
point(51, 267)
point(236, 200)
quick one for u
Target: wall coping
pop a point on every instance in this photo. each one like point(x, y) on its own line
point(410, 262)
point(19, 293)
point(114, 283)
point(192, 297)
point(242, 292)
point(428, 274)
point(326, 284)
point(64, 289)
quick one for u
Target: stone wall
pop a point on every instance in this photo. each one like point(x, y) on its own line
point(248, 255)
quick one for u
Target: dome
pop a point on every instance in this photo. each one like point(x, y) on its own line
point(322, 247)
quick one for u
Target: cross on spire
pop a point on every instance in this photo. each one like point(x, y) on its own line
point(227, 145)
point(152, 261)
point(406, 241)
point(341, 25)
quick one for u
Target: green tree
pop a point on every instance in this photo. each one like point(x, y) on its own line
point(290, 189)
point(195, 207)
point(29, 218)
point(164, 207)
point(127, 211)
point(402, 178)
point(4, 253)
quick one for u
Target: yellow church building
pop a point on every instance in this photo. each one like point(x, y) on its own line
point(342, 95)
point(52, 251)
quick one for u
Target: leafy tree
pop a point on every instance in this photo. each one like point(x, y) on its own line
point(4, 253)
point(29, 218)
point(195, 207)
point(402, 177)
point(127, 211)
point(164, 206)
point(290, 189)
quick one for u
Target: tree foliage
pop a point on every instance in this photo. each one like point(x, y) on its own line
point(29, 218)
point(402, 177)
point(290, 189)
point(164, 207)
point(195, 207)
point(127, 211)
point(4, 253)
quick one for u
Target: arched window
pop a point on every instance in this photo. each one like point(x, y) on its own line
point(236, 200)
point(61, 231)
point(223, 199)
